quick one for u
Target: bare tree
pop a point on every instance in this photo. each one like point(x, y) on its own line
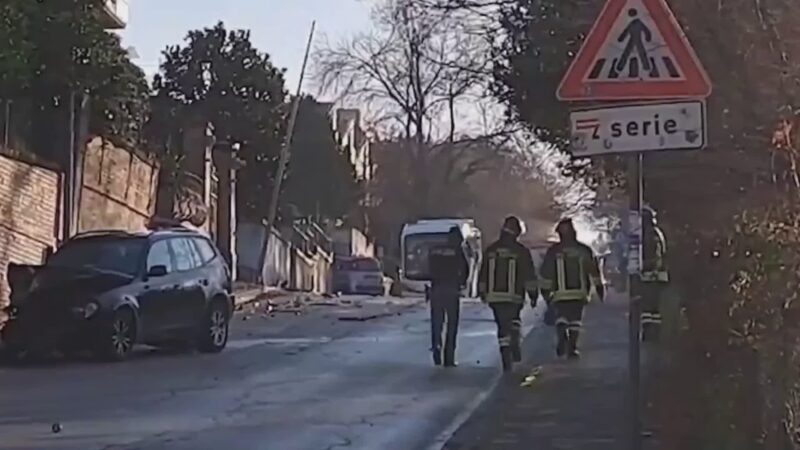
point(422, 76)
point(415, 67)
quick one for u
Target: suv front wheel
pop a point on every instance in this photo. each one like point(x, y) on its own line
point(119, 336)
point(214, 332)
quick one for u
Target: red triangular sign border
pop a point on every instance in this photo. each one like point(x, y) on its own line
point(695, 85)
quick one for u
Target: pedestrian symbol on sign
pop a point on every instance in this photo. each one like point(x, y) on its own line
point(635, 32)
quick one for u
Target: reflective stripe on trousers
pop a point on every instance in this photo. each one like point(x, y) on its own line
point(651, 317)
point(574, 325)
point(655, 276)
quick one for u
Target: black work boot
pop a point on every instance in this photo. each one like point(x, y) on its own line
point(650, 332)
point(437, 356)
point(450, 358)
point(506, 358)
point(561, 347)
point(573, 344)
point(516, 353)
point(516, 347)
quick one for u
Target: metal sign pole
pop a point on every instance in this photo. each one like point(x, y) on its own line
point(602, 71)
point(635, 181)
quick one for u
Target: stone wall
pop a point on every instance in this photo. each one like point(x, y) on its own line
point(119, 189)
point(29, 214)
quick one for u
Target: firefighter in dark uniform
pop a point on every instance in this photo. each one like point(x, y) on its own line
point(448, 274)
point(654, 275)
point(569, 270)
point(507, 273)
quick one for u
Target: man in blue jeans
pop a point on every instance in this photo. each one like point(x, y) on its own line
point(448, 274)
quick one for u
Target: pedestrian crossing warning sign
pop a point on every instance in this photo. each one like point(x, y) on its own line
point(636, 50)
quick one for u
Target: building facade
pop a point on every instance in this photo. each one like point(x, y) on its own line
point(354, 140)
point(115, 15)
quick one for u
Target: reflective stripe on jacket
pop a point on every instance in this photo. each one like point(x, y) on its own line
point(569, 271)
point(507, 272)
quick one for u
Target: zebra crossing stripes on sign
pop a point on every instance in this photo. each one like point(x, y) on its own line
point(636, 50)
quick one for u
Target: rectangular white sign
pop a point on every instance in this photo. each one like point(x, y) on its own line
point(639, 128)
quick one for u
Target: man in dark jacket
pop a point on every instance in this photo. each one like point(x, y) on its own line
point(448, 273)
point(569, 271)
point(507, 274)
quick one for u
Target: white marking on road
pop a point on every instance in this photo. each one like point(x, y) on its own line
point(469, 410)
point(247, 343)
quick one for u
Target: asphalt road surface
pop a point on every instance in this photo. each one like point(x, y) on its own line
point(293, 381)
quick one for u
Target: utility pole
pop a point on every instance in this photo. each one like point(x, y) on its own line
point(285, 151)
point(69, 220)
point(6, 123)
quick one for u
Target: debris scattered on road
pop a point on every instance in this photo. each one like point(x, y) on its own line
point(56, 428)
point(359, 318)
point(531, 379)
point(325, 304)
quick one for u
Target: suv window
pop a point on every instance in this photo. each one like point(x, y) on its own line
point(121, 255)
point(185, 256)
point(204, 249)
point(159, 256)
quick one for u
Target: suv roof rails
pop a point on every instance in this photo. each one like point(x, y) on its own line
point(91, 233)
point(166, 224)
point(176, 229)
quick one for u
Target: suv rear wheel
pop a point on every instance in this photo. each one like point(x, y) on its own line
point(214, 332)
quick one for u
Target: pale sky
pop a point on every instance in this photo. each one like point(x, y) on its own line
point(279, 27)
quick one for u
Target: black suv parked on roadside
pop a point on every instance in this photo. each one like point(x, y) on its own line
point(107, 291)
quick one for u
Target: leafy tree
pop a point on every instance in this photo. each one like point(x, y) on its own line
point(15, 49)
point(51, 49)
point(322, 180)
point(121, 106)
point(218, 76)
